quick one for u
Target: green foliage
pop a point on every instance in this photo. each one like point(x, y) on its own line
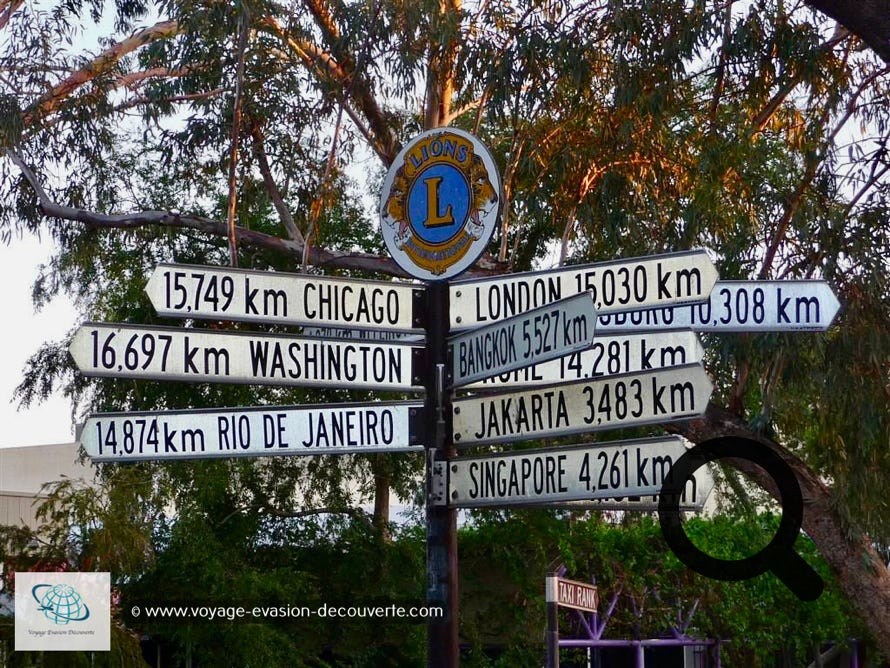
point(503, 606)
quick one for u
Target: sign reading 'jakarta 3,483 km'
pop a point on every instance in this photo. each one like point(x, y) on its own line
point(440, 204)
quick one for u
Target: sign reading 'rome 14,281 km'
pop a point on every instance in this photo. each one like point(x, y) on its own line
point(440, 204)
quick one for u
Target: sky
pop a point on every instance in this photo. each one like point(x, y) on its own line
point(26, 330)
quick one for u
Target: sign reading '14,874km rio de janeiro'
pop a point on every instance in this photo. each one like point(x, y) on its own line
point(440, 203)
point(250, 432)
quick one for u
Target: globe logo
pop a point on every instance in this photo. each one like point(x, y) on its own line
point(60, 603)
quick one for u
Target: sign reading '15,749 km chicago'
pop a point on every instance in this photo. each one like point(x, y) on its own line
point(440, 204)
point(276, 298)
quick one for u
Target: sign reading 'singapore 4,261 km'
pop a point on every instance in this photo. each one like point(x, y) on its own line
point(440, 204)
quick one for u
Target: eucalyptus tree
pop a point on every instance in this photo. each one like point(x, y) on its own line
point(256, 133)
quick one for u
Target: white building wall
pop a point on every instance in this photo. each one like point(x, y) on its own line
point(24, 471)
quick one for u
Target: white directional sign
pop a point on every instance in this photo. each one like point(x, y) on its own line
point(695, 494)
point(361, 334)
point(268, 297)
point(254, 432)
point(608, 356)
point(621, 285)
point(598, 471)
point(609, 402)
point(740, 306)
point(166, 353)
point(542, 334)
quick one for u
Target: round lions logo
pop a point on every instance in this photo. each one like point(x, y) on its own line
point(440, 204)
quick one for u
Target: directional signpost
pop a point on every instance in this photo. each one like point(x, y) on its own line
point(740, 306)
point(267, 297)
point(608, 356)
point(569, 473)
point(542, 334)
point(260, 431)
point(167, 353)
point(541, 354)
point(611, 402)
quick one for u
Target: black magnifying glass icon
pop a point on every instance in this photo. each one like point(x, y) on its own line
point(778, 556)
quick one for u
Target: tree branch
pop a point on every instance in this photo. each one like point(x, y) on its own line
point(867, 19)
point(8, 11)
point(102, 63)
point(377, 131)
point(132, 79)
point(235, 136)
point(440, 71)
point(775, 102)
point(259, 151)
point(357, 513)
point(325, 22)
point(176, 220)
point(318, 257)
point(720, 75)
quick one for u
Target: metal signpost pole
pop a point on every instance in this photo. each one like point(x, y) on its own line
point(552, 658)
point(441, 522)
point(439, 206)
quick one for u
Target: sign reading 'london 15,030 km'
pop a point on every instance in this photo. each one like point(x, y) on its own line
point(440, 204)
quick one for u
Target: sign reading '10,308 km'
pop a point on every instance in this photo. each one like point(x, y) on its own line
point(440, 204)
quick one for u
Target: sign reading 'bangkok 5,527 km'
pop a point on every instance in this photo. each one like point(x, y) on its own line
point(440, 203)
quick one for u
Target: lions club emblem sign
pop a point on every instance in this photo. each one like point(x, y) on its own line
point(440, 204)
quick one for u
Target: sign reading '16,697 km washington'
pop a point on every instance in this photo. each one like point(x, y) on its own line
point(167, 353)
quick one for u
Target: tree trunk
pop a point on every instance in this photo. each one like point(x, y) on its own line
point(867, 19)
point(382, 480)
point(862, 575)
